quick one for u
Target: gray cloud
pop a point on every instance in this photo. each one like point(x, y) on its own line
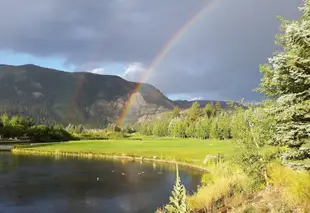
point(218, 57)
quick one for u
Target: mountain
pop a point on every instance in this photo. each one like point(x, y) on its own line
point(94, 100)
point(50, 95)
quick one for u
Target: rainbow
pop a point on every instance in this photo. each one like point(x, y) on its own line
point(162, 53)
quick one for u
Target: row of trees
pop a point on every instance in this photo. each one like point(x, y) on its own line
point(18, 127)
point(209, 122)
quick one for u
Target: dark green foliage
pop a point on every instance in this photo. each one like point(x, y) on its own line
point(194, 112)
point(18, 127)
point(287, 80)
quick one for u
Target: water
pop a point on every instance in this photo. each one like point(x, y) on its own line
point(30, 184)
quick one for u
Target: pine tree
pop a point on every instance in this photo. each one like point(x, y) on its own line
point(176, 112)
point(218, 108)
point(178, 202)
point(286, 79)
point(194, 112)
point(204, 128)
point(156, 129)
point(208, 110)
point(214, 131)
point(172, 127)
point(190, 130)
point(181, 129)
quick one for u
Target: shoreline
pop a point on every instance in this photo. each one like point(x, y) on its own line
point(27, 151)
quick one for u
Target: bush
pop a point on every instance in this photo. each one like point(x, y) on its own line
point(42, 133)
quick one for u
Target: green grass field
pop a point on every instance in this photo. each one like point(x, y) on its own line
point(166, 148)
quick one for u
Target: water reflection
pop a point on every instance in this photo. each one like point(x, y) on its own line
point(46, 184)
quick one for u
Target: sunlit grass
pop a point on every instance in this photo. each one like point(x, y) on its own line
point(225, 187)
point(294, 185)
point(192, 150)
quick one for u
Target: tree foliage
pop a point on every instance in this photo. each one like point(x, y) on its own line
point(286, 79)
point(18, 127)
point(176, 112)
point(194, 112)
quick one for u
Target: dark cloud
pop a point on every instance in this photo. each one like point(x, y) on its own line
point(218, 57)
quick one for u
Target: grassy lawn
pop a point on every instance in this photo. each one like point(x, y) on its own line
point(167, 148)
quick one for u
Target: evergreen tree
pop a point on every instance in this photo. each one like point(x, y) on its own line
point(198, 128)
point(194, 112)
point(214, 131)
point(224, 126)
point(204, 128)
point(172, 127)
point(181, 129)
point(156, 129)
point(286, 79)
point(176, 112)
point(190, 130)
point(218, 108)
point(208, 110)
point(178, 202)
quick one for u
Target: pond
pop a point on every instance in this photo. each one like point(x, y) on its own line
point(30, 184)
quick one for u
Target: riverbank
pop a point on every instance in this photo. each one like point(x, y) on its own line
point(26, 151)
point(187, 152)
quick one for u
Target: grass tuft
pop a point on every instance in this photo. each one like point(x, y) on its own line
point(224, 190)
point(294, 185)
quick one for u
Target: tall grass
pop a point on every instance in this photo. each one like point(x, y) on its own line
point(294, 185)
point(225, 188)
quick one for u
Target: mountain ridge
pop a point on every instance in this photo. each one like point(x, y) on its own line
point(94, 100)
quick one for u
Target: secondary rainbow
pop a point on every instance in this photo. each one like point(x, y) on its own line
point(165, 49)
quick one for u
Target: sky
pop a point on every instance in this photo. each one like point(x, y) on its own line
point(217, 57)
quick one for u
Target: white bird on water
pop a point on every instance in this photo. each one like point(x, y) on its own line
point(123, 173)
point(97, 178)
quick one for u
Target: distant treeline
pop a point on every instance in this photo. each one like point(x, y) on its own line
point(17, 127)
point(212, 122)
point(21, 128)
